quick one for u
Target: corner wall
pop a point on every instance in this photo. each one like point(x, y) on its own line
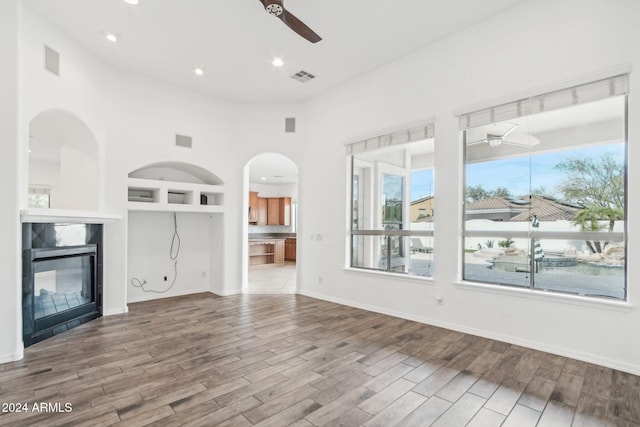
point(10, 250)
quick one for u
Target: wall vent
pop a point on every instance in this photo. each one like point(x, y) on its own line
point(290, 124)
point(51, 60)
point(183, 141)
point(303, 76)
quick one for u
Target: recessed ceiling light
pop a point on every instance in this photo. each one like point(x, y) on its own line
point(264, 178)
point(277, 62)
point(112, 37)
point(131, 1)
point(198, 71)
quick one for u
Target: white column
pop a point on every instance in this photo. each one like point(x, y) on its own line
point(10, 247)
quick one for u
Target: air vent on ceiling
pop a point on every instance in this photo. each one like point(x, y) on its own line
point(183, 141)
point(290, 124)
point(51, 60)
point(303, 76)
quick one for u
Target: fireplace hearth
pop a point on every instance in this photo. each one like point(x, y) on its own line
point(62, 278)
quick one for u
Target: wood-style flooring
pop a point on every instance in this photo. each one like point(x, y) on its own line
point(278, 360)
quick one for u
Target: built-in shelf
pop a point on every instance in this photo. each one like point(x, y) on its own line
point(169, 196)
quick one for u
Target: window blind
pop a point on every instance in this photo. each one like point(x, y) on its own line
point(413, 134)
point(593, 91)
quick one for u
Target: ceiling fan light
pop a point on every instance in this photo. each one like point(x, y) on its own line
point(494, 142)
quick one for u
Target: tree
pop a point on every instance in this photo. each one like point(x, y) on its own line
point(593, 182)
point(598, 185)
point(475, 193)
point(501, 192)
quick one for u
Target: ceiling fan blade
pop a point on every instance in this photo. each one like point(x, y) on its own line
point(299, 27)
point(510, 130)
point(480, 141)
point(522, 139)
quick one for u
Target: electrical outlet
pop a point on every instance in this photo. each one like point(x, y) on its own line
point(319, 279)
point(204, 274)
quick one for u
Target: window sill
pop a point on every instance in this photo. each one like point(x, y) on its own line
point(584, 301)
point(401, 276)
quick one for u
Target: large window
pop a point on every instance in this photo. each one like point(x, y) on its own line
point(545, 192)
point(392, 202)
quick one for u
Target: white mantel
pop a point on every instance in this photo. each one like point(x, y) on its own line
point(66, 216)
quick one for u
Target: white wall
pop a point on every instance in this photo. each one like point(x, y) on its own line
point(10, 303)
point(534, 45)
point(148, 254)
point(78, 187)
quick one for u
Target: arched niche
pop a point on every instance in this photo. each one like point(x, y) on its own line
point(63, 162)
point(177, 172)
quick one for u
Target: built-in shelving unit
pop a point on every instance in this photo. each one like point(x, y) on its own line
point(159, 196)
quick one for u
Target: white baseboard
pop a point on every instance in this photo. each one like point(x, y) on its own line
point(225, 293)
point(114, 311)
point(12, 357)
point(541, 346)
point(153, 296)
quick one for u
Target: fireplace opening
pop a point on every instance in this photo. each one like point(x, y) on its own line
point(61, 285)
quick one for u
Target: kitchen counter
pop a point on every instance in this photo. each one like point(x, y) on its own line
point(266, 251)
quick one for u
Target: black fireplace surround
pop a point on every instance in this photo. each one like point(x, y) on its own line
point(61, 278)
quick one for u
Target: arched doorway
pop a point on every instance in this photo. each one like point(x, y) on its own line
point(63, 162)
point(272, 197)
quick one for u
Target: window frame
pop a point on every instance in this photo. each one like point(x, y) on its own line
point(375, 219)
point(533, 234)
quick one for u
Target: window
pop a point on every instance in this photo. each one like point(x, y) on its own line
point(545, 191)
point(39, 197)
point(392, 201)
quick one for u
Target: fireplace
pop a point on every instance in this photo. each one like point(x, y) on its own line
point(62, 278)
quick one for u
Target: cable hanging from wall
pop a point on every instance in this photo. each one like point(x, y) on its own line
point(174, 251)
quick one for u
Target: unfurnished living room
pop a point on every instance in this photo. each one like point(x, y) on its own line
point(310, 213)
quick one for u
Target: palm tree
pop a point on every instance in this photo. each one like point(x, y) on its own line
point(589, 220)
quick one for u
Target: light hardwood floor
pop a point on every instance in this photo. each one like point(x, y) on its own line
point(277, 360)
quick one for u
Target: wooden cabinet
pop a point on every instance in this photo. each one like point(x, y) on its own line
point(269, 210)
point(284, 216)
point(273, 211)
point(253, 206)
point(268, 251)
point(278, 252)
point(290, 249)
point(262, 211)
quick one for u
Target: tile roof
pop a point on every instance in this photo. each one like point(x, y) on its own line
point(545, 208)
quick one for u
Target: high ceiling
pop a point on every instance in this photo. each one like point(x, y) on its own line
point(236, 41)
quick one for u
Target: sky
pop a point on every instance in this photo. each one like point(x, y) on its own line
point(514, 172)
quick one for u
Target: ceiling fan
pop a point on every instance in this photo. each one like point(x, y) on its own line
point(500, 133)
point(276, 8)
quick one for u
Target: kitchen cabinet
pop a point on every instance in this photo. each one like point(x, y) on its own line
point(262, 211)
point(278, 252)
point(284, 215)
point(266, 251)
point(253, 207)
point(269, 210)
point(290, 249)
point(273, 211)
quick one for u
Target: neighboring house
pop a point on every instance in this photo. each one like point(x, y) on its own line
point(421, 209)
point(521, 209)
